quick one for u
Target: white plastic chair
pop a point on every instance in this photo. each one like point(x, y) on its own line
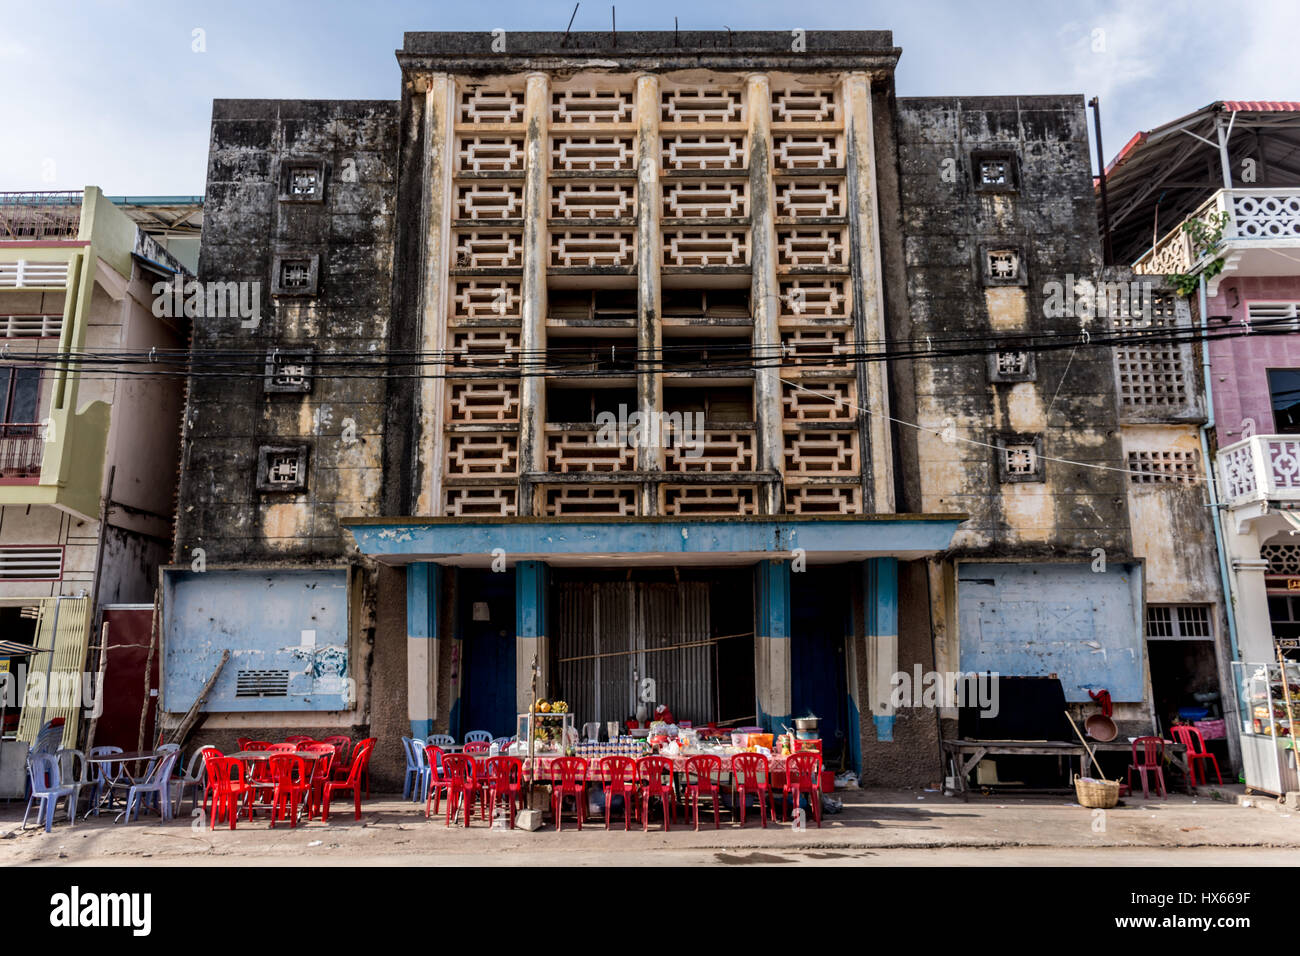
point(478, 737)
point(195, 776)
point(441, 740)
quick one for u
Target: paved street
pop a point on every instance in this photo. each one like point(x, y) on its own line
point(876, 828)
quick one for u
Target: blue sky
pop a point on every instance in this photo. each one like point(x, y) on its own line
point(112, 93)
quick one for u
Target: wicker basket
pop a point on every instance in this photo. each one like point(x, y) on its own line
point(1097, 794)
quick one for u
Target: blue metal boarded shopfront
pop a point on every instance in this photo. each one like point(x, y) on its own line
point(287, 631)
point(1085, 626)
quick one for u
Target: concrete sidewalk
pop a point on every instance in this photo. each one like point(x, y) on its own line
point(395, 831)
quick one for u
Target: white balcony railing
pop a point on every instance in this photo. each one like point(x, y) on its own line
point(33, 275)
point(1261, 468)
point(1255, 217)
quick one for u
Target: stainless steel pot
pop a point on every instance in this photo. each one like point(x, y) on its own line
point(805, 723)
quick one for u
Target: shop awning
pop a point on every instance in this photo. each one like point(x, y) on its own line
point(576, 542)
point(15, 649)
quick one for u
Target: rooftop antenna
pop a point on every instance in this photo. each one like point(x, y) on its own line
point(570, 26)
point(728, 35)
point(677, 40)
point(613, 22)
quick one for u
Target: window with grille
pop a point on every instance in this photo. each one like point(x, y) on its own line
point(295, 274)
point(20, 563)
point(1281, 558)
point(1281, 315)
point(282, 468)
point(1003, 265)
point(994, 172)
point(302, 180)
point(1011, 365)
point(1163, 467)
point(1020, 458)
point(1155, 374)
point(1179, 622)
point(288, 371)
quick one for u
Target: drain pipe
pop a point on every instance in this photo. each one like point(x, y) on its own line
point(1211, 477)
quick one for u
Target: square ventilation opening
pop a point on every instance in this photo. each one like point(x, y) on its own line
point(262, 683)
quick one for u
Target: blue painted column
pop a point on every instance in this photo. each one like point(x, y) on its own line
point(772, 677)
point(881, 600)
point(852, 656)
point(423, 587)
point(530, 632)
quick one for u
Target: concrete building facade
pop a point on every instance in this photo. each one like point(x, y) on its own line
point(682, 369)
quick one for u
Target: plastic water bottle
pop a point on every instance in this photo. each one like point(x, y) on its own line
point(494, 750)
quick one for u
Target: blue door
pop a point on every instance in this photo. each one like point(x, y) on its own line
point(488, 647)
point(819, 612)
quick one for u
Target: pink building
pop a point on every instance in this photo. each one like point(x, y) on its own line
point(1212, 202)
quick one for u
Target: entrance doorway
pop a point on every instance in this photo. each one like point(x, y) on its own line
point(682, 638)
point(487, 631)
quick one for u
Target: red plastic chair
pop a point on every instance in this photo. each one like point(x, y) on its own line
point(568, 779)
point(292, 786)
point(321, 769)
point(462, 772)
point(1197, 754)
point(655, 776)
point(210, 770)
point(619, 774)
point(353, 782)
point(750, 775)
point(365, 770)
point(243, 742)
point(505, 778)
point(703, 774)
point(1148, 761)
point(803, 775)
point(230, 786)
point(477, 747)
point(342, 753)
point(439, 780)
point(285, 748)
point(256, 745)
point(299, 739)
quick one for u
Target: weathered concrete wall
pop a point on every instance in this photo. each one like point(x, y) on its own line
point(251, 224)
point(1050, 221)
point(245, 226)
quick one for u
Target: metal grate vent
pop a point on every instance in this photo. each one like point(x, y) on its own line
point(31, 564)
point(262, 683)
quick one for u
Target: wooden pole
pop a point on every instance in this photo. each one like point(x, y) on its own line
point(148, 668)
point(192, 715)
point(103, 668)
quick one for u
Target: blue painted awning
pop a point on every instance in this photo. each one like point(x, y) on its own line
point(474, 542)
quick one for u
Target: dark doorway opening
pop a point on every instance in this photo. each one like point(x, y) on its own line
point(487, 631)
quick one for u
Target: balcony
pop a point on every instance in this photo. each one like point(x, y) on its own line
point(1261, 225)
point(22, 451)
point(1261, 469)
point(40, 216)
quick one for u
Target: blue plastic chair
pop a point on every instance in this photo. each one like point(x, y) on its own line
point(420, 788)
point(156, 784)
point(412, 768)
point(441, 740)
point(43, 771)
point(478, 737)
point(504, 743)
